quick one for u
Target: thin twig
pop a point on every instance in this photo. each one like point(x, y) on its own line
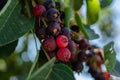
point(44, 22)
point(36, 59)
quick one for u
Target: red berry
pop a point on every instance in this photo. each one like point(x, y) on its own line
point(63, 54)
point(62, 41)
point(106, 75)
point(49, 44)
point(39, 10)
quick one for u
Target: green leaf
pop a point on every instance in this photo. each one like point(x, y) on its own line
point(68, 15)
point(105, 3)
point(67, 3)
point(91, 33)
point(12, 23)
point(116, 70)
point(81, 27)
point(6, 50)
point(77, 4)
point(93, 9)
point(110, 56)
point(51, 71)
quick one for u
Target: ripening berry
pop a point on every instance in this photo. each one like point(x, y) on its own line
point(83, 44)
point(49, 44)
point(63, 54)
point(39, 10)
point(62, 41)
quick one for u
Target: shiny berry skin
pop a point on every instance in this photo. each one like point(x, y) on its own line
point(39, 10)
point(63, 54)
point(49, 44)
point(67, 32)
point(53, 14)
point(49, 4)
point(77, 66)
point(62, 41)
point(54, 28)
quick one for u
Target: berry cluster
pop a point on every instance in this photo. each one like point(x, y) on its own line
point(59, 41)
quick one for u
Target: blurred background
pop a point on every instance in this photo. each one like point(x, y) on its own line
point(17, 65)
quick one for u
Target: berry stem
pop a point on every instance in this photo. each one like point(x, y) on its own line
point(46, 54)
point(36, 59)
point(39, 21)
point(27, 8)
point(44, 22)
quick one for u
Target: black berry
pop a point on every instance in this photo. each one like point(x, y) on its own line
point(77, 66)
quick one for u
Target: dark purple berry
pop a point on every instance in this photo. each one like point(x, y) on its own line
point(74, 57)
point(84, 56)
point(77, 66)
point(54, 28)
point(39, 10)
point(66, 31)
point(96, 74)
point(83, 44)
point(49, 4)
point(53, 14)
point(41, 32)
point(49, 44)
point(71, 46)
